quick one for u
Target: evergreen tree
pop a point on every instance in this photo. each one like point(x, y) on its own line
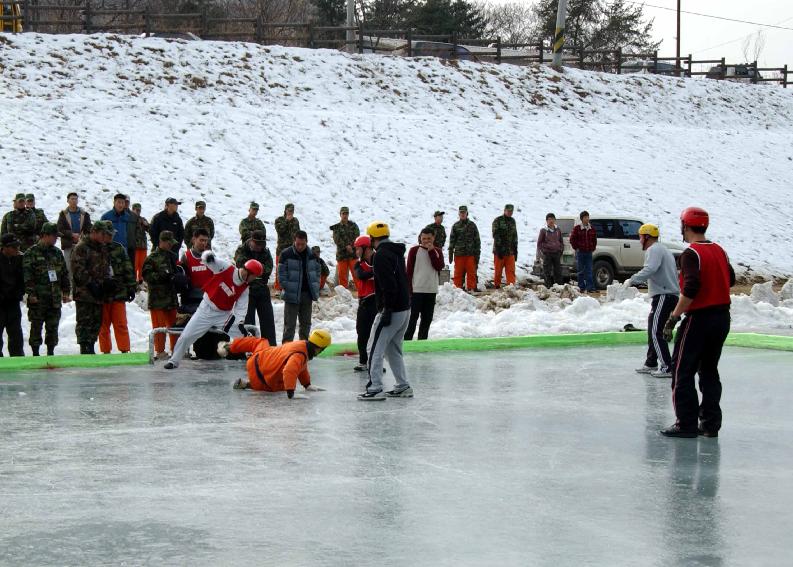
point(331, 12)
point(449, 17)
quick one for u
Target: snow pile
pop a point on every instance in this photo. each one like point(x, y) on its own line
point(621, 292)
point(764, 293)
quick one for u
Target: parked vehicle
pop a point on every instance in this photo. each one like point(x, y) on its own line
point(441, 50)
point(619, 254)
point(739, 73)
point(650, 66)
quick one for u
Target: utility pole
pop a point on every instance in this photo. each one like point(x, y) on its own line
point(677, 55)
point(558, 36)
point(350, 24)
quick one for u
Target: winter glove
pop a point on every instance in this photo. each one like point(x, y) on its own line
point(228, 324)
point(385, 317)
point(109, 286)
point(131, 294)
point(669, 327)
point(95, 289)
point(243, 331)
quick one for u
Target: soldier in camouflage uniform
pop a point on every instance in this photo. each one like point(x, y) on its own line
point(92, 281)
point(20, 222)
point(438, 228)
point(259, 294)
point(285, 227)
point(464, 249)
point(47, 285)
point(251, 223)
point(141, 242)
point(200, 220)
point(159, 273)
point(505, 246)
point(114, 310)
point(344, 234)
point(324, 271)
point(41, 218)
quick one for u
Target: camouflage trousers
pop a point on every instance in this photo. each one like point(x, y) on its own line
point(47, 318)
point(88, 321)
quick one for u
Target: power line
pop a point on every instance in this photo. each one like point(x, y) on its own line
point(738, 39)
point(712, 16)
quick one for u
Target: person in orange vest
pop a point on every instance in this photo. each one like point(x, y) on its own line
point(706, 277)
point(277, 368)
point(225, 302)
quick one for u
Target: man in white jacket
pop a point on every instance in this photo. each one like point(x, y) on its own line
point(225, 302)
point(660, 272)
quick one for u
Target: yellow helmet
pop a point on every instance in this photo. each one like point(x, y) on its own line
point(378, 229)
point(649, 230)
point(320, 338)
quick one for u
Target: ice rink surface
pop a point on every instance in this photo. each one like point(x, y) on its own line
point(537, 457)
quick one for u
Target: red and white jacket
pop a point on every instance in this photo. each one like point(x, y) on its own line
point(225, 291)
point(197, 272)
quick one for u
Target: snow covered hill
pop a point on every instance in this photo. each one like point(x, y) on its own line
point(395, 139)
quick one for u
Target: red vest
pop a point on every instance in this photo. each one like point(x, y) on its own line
point(198, 272)
point(222, 291)
point(365, 287)
point(714, 276)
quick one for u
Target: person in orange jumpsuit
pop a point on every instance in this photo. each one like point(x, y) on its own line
point(277, 368)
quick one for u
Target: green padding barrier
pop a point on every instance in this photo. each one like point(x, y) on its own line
point(18, 363)
point(747, 340)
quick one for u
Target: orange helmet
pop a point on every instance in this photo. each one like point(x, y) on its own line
point(363, 241)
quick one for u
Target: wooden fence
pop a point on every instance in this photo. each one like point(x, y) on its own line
point(86, 18)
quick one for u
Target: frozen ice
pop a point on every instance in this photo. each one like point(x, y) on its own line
point(536, 457)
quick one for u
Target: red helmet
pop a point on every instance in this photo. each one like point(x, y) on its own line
point(363, 241)
point(254, 267)
point(694, 216)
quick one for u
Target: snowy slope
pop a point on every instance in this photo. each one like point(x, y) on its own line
point(395, 139)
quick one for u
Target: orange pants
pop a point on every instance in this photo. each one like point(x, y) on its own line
point(505, 262)
point(114, 314)
point(322, 280)
point(276, 285)
point(140, 257)
point(343, 267)
point(274, 368)
point(465, 266)
point(163, 318)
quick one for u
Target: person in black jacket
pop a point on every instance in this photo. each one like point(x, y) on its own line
point(167, 219)
point(12, 288)
point(391, 321)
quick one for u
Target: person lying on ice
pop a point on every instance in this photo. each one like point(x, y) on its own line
point(277, 368)
point(225, 301)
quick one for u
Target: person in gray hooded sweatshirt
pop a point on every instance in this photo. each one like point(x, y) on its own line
point(661, 274)
point(391, 322)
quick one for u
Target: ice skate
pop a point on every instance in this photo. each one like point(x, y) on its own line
point(405, 392)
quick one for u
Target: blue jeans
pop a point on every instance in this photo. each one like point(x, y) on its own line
point(584, 264)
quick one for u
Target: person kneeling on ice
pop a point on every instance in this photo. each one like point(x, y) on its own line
point(391, 322)
point(225, 301)
point(277, 368)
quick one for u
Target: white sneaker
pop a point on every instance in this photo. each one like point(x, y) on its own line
point(406, 392)
point(661, 374)
point(371, 396)
point(646, 369)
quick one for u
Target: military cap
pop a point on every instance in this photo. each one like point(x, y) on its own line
point(289, 207)
point(103, 226)
point(172, 201)
point(199, 204)
point(49, 228)
point(108, 227)
point(167, 236)
point(258, 236)
point(29, 196)
point(463, 209)
point(118, 196)
point(438, 214)
point(315, 249)
point(19, 197)
point(136, 206)
point(509, 207)
point(9, 240)
point(344, 210)
point(254, 205)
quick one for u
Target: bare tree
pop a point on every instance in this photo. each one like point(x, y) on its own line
point(514, 22)
point(753, 46)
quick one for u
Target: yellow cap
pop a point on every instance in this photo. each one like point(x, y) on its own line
point(649, 230)
point(320, 338)
point(378, 229)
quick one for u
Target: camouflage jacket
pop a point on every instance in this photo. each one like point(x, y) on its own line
point(122, 272)
point(195, 223)
point(505, 236)
point(440, 233)
point(21, 224)
point(159, 272)
point(244, 253)
point(46, 278)
point(464, 239)
point(90, 268)
point(324, 271)
point(247, 226)
point(41, 218)
point(285, 229)
point(344, 235)
point(141, 240)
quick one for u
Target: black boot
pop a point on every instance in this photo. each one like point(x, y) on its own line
point(35, 350)
point(50, 350)
point(90, 348)
point(86, 348)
